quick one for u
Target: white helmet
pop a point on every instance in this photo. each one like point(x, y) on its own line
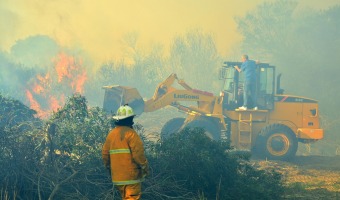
point(124, 112)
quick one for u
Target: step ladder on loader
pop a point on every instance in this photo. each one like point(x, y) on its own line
point(245, 129)
point(246, 132)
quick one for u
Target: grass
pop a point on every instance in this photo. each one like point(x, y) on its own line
point(305, 182)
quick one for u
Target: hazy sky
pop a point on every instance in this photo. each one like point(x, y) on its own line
point(99, 26)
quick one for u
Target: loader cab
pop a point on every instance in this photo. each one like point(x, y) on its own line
point(233, 82)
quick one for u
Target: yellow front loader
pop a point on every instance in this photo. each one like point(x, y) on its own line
point(273, 131)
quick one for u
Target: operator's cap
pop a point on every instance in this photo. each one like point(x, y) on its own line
point(123, 112)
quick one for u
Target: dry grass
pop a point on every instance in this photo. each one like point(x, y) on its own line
point(308, 177)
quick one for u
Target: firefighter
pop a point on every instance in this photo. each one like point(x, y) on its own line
point(123, 154)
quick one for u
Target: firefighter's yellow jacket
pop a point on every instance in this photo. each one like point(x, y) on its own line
point(123, 152)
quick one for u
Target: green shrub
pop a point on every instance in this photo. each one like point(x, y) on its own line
point(203, 168)
point(61, 159)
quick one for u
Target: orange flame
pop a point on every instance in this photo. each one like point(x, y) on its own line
point(70, 78)
point(55, 103)
point(44, 82)
point(79, 82)
point(63, 66)
point(34, 104)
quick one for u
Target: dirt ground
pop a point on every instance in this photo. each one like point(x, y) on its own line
point(308, 177)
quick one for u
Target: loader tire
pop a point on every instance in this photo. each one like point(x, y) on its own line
point(170, 127)
point(276, 142)
point(211, 130)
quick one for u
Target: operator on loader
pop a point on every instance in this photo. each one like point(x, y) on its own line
point(249, 68)
point(123, 154)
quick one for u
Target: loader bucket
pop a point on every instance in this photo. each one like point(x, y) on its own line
point(115, 96)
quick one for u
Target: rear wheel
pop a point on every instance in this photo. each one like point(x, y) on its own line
point(211, 129)
point(171, 127)
point(276, 142)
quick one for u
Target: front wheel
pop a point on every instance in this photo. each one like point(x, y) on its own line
point(276, 142)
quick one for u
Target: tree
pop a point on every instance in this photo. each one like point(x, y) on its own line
point(266, 30)
point(194, 58)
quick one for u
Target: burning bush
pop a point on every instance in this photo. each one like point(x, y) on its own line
point(47, 91)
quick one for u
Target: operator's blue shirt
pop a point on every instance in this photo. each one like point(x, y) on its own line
point(249, 69)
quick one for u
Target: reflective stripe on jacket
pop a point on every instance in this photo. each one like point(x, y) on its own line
point(123, 152)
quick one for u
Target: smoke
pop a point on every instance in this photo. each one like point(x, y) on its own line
point(34, 51)
point(99, 27)
point(33, 33)
point(13, 77)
